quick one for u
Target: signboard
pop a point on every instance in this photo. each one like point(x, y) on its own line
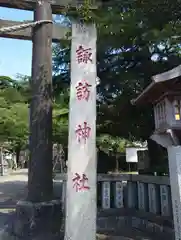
point(81, 184)
point(131, 154)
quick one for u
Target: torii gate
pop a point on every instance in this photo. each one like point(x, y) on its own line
point(40, 177)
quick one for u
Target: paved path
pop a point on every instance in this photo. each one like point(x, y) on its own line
point(12, 189)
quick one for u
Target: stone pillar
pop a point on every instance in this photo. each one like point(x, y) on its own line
point(142, 196)
point(174, 157)
point(81, 204)
point(132, 194)
point(165, 200)
point(153, 198)
point(36, 221)
point(106, 195)
point(119, 195)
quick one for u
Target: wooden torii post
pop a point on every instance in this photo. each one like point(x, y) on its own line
point(40, 185)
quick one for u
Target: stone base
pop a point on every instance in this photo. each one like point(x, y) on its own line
point(36, 221)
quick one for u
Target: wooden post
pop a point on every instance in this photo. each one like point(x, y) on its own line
point(40, 216)
point(40, 167)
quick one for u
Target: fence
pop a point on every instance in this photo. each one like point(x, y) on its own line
point(140, 201)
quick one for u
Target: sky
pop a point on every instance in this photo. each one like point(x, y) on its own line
point(15, 55)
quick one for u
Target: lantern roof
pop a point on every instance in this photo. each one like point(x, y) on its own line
point(167, 83)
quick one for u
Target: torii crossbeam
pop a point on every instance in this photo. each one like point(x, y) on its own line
point(56, 5)
point(59, 32)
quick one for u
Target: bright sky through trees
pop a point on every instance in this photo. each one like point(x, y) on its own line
point(15, 55)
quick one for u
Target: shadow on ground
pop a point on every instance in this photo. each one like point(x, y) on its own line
point(11, 192)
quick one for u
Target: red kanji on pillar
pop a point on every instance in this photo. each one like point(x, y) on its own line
point(83, 132)
point(83, 91)
point(79, 182)
point(84, 54)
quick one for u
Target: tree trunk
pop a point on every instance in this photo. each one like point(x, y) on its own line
point(18, 149)
point(117, 164)
point(154, 152)
point(40, 184)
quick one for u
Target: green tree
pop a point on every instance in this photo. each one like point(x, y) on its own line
point(113, 146)
point(136, 40)
point(13, 115)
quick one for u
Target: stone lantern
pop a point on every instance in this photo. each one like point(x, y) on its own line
point(165, 94)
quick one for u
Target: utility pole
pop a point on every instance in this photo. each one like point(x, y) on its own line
point(40, 185)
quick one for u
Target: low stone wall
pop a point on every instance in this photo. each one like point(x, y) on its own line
point(114, 221)
point(132, 201)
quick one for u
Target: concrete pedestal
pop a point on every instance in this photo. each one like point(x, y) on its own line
point(36, 221)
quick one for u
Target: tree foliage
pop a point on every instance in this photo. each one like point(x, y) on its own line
point(13, 113)
point(113, 145)
point(136, 40)
point(15, 96)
